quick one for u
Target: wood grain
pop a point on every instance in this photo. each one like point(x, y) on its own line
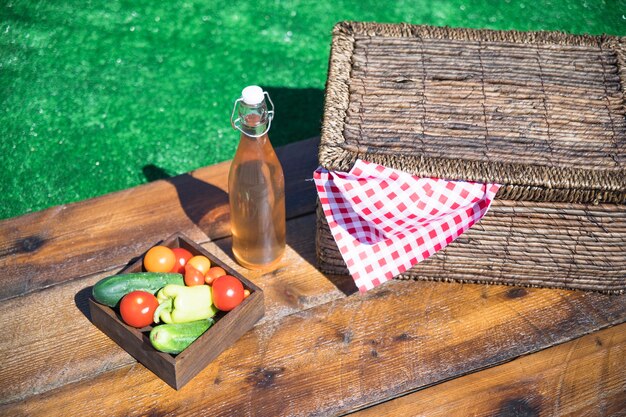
point(49, 340)
point(65, 242)
point(582, 377)
point(339, 356)
point(321, 348)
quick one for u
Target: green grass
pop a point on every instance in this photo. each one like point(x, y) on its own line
point(92, 92)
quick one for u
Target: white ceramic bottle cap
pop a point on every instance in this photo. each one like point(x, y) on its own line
point(252, 95)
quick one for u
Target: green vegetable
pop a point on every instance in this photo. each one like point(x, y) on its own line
point(180, 304)
point(109, 291)
point(176, 337)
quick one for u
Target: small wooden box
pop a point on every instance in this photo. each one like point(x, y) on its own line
point(177, 370)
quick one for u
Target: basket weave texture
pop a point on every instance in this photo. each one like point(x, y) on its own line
point(540, 112)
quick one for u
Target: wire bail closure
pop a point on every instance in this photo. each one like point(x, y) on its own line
point(236, 123)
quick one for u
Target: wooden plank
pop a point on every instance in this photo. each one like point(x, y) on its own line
point(342, 355)
point(49, 341)
point(316, 350)
point(582, 377)
point(64, 242)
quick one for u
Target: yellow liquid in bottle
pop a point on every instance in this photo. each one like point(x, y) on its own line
point(257, 204)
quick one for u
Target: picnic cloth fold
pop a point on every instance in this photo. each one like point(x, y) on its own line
point(385, 221)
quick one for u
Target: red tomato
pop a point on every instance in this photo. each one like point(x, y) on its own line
point(159, 259)
point(137, 308)
point(182, 256)
point(193, 276)
point(227, 292)
point(212, 273)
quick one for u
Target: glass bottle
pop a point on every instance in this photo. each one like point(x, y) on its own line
point(256, 186)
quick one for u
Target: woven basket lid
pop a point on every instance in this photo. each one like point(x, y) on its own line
point(540, 112)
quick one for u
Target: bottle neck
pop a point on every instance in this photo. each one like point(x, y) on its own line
point(254, 118)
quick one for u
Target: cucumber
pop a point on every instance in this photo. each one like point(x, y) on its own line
point(176, 337)
point(109, 291)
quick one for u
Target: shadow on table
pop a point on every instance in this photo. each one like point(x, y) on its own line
point(199, 200)
point(304, 243)
point(304, 246)
point(81, 299)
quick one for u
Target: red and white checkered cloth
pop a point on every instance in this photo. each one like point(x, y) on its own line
point(385, 221)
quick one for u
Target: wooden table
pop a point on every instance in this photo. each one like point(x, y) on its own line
point(405, 348)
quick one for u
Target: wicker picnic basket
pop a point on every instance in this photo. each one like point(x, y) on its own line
point(540, 112)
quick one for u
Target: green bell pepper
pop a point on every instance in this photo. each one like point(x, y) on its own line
point(181, 304)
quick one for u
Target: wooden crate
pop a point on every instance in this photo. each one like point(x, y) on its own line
point(177, 370)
